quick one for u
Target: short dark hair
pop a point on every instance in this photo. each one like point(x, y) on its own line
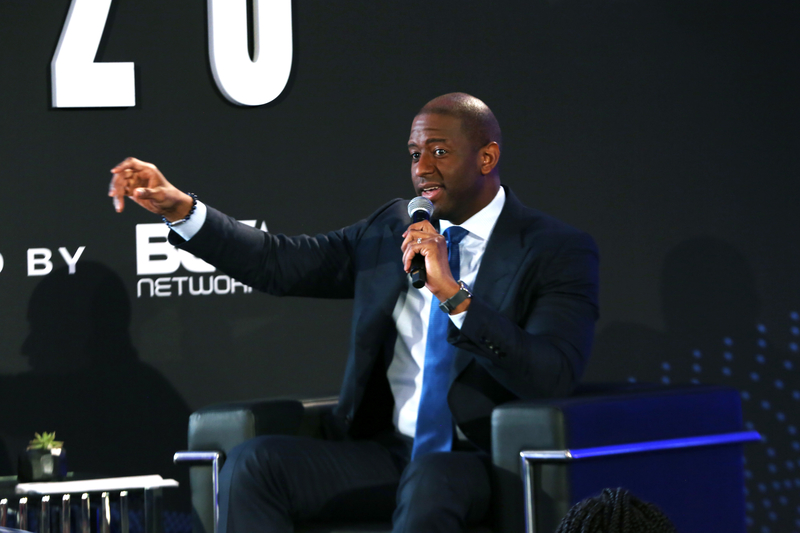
point(477, 120)
point(615, 511)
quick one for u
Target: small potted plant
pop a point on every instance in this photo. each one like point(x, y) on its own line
point(44, 460)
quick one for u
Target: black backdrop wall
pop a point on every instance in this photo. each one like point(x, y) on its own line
point(666, 129)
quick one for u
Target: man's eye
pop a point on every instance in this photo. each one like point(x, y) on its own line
point(440, 151)
point(415, 156)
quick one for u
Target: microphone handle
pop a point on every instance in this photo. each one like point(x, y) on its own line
point(418, 275)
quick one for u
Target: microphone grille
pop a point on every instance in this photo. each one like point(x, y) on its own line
point(420, 203)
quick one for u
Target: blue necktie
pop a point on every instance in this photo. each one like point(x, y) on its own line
point(434, 431)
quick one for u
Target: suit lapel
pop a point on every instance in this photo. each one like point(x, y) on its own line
point(381, 280)
point(502, 258)
point(500, 262)
point(391, 277)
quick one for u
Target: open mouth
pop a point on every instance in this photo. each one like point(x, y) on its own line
point(430, 192)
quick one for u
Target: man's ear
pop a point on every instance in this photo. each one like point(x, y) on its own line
point(489, 157)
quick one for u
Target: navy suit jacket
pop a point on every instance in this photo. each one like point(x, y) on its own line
point(528, 330)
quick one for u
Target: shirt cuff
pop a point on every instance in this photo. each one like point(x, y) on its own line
point(458, 319)
point(189, 229)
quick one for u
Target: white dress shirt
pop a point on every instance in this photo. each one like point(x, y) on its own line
point(412, 311)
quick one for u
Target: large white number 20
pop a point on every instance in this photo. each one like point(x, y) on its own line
point(77, 81)
point(244, 81)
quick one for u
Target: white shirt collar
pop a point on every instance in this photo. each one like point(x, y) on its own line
point(482, 223)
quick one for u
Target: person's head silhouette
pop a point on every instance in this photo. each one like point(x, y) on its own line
point(79, 320)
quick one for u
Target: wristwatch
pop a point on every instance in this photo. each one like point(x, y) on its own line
point(449, 305)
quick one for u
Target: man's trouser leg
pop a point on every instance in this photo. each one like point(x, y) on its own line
point(268, 483)
point(443, 492)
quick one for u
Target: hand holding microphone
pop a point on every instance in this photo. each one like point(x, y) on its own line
point(425, 253)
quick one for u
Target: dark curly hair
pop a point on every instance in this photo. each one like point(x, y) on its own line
point(615, 511)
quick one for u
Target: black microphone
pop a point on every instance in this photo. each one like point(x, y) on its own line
point(420, 208)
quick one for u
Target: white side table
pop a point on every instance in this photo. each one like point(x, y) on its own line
point(153, 509)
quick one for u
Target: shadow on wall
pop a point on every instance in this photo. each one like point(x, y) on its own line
point(708, 294)
point(116, 415)
point(711, 307)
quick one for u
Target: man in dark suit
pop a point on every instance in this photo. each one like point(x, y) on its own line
point(507, 312)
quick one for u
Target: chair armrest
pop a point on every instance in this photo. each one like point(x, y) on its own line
point(601, 417)
point(215, 430)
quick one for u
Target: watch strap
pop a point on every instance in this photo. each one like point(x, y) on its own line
point(449, 305)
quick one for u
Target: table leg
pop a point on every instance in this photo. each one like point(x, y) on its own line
point(44, 515)
point(105, 513)
point(3, 512)
point(86, 521)
point(22, 514)
point(153, 511)
point(66, 513)
point(124, 526)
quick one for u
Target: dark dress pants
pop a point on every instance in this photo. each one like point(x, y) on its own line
point(272, 482)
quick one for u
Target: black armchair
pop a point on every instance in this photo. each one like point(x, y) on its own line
point(678, 447)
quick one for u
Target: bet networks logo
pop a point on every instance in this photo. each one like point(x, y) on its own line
point(155, 256)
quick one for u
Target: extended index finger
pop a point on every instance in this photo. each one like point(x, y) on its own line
point(130, 163)
point(120, 185)
point(116, 189)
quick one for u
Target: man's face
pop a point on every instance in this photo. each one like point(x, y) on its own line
point(445, 166)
